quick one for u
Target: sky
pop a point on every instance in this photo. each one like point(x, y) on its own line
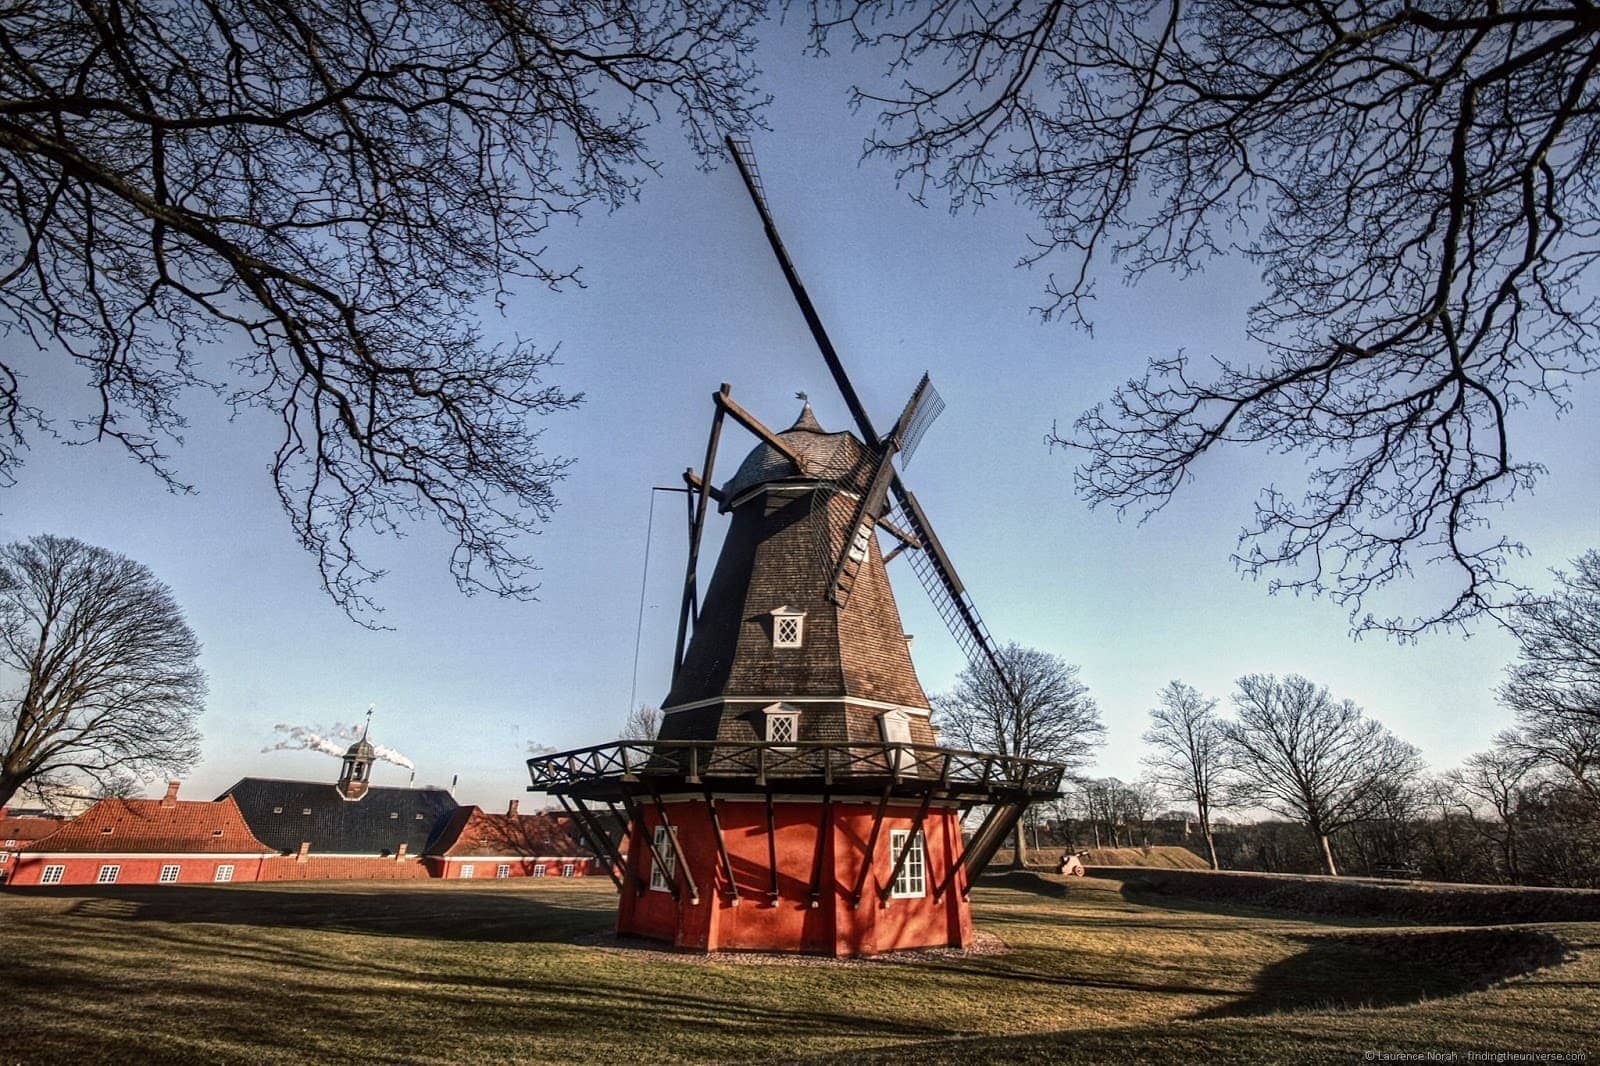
point(681, 294)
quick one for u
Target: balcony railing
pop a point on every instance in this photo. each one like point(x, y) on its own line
point(824, 763)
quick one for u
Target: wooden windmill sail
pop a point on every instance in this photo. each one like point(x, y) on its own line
point(930, 561)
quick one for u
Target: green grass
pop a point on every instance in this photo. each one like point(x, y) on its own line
point(518, 970)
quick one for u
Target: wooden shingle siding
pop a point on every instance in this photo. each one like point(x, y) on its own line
point(778, 554)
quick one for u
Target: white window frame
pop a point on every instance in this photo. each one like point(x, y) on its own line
point(663, 872)
point(896, 729)
point(503, 870)
point(224, 874)
point(469, 871)
point(538, 869)
point(913, 880)
point(52, 875)
point(4, 855)
point(567, 869)
point(777, 716)
point(108, 874)
point(783, 620)
point(169, 874)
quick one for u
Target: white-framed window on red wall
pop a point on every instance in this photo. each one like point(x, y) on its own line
point(566, 869)
point(662, 872)
point(108, 875)
point(468, 872)
point(503, 870)
point(538, 869)
point(52, 875)
point(913, 880)
point(169, 874)
point(224, 874)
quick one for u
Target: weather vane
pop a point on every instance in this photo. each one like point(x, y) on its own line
point(802, 397)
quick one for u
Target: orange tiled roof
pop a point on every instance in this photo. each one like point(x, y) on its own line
point(146, 825)
point(474, 832)
point(24, 830)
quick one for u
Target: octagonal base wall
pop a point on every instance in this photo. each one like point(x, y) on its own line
point(814, 846)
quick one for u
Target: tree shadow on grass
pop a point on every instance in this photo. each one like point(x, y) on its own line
point(1360, 970)
point(374, 909)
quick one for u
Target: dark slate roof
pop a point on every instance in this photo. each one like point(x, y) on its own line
point(376, 824)
point(828, 456)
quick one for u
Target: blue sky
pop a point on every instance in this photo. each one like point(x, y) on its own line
point(682, 294)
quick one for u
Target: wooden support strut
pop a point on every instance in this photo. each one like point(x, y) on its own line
point(824, 835)
point(961, 860)
point(681, 866)
point(772, 851)
point(594, 835)
point(900, 860)
point(754, 425)
point(722, 848)
point(655, 853)
point(872, 847)
point(697, 522)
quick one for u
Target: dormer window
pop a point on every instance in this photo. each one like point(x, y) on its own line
point(788, 627)
point(783, 724)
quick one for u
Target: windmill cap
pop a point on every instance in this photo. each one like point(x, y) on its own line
point(824, 456)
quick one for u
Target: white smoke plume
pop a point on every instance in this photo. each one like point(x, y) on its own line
point(335, 741)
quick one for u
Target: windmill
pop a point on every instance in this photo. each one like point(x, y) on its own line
point(796, 766)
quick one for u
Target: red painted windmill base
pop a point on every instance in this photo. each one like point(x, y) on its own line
point(828, 849)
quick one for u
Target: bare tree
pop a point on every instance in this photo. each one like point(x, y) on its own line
point(1491, 782)
point(642, 723)
point(1557, 673)
point(1053, 717)
point(1414, 182)
point(1306, 757)
point(333, 189)
point(1189, 756)
point(107, 684)
point(1567, 747)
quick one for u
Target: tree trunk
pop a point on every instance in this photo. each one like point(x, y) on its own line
point(1211, 848)
point(1018, 860)
point(1327, 855)
point(9, 783)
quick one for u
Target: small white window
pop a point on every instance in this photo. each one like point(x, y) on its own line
point(788, 627)
point(913, 880)
point(169, 875)
point(896, 727)
point(538, 869)
point(503, 870)
point(468, 871)
point(108, 875)
point(3, 857)
point(662, 872)
point(277, 810)
point(11, 843)
point(52, 875)
point(783, 724)
point(224, 874)
point(566, 869)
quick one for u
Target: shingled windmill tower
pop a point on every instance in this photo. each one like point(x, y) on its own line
point(796, 798)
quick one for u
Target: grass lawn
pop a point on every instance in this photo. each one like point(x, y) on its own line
point(521, 970)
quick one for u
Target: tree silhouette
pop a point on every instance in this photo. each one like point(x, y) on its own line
point(327, 194)
point(108, 682)
point(1415, 184)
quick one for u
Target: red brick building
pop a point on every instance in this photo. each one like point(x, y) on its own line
point(17, 832)
point(143, 841)
point(477, 844)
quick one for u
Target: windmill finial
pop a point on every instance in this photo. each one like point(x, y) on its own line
point(802, 397)
point(365, 729)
